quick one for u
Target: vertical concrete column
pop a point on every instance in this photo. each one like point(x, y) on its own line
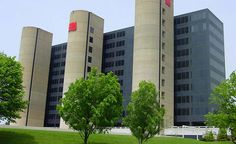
point(153, 49)
point(35, 53)
point(85, 33)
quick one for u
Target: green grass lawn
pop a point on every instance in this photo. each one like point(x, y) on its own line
point(20, 136)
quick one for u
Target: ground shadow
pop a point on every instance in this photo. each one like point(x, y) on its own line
point(7, 137)
point(98, 143)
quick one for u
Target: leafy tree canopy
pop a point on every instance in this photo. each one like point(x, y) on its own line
point(224, 96)
point(145, 115)
point(11, 89)
point(92, 104)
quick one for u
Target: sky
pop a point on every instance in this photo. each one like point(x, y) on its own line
point(53, 16)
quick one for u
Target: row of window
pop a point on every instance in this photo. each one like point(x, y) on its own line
point(183, 99)
point(52, 107)
point(62, 72)
point(120, 63)
point(110, 45)
point(182, 112)
point(53, 116)
point(56, 81)
point(180, 53)
point(180, 31)
point(117, 63)
point(163, 57)
point(54, 90)
point(113, 44)
point(54, 99)
point(58, 56)
point(182, 75)
point(109, 64)
point(112, 54)
point(121, 34)
point(119, 72)
point(113, 35)
point(110, 36)
point(181, 20)
point(120, 53)
point(181, 64)
point(58, 64)
point(59, 48)
point(183, 41)
point(182, 87)
point(121, 82)
point(120, 43)
point(109, 55)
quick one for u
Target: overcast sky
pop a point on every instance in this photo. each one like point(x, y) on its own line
point(53, 16)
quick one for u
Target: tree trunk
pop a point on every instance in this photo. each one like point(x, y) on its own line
point(85, 140)
point(86, 136)
point(140, 141)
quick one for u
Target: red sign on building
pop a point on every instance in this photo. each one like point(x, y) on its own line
point(72, 26)
point(168, 3)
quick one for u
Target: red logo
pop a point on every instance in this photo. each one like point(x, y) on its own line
point(72, 26)
point(168, 3)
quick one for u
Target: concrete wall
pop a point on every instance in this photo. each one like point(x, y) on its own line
point(149, 50)
point(34, 56)
point(78, 47)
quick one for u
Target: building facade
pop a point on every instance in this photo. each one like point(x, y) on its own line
point(84, 47)
point(182, 56)
point(118, 58)
point(35, 52)
point(199, 65)
point(55, 84)
point(153, 56)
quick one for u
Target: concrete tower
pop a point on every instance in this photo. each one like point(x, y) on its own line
point(153, 58)
point(84, 48)
point(35, 52)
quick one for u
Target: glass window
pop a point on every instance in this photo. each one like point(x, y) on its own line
point(90, 49)
point(88, 69)
point(91, 39)
point(89, 59)
point(91, 30)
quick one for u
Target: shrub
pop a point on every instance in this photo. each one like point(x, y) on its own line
point(209, 136)
point(222, 135)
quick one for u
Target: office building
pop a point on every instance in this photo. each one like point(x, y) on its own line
point(182, 56)
point(35, 52)
point(153, 56)
point(118, 58)
point(199, 65)
point(84, 47)
point(55, 84)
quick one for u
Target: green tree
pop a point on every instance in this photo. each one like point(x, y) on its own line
point(224, 96)
point(145, 115)
point(11, 89)
point(93, 104)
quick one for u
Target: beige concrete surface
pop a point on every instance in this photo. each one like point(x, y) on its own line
point(35, 53)
point(148, 50)
point(78, 46)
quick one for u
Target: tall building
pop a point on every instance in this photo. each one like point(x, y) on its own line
point(118, 58)
point(147, 51)
point(199, 65)
point(55, 84)
point(84, 47)
point(35, 52)
point(153, 57)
